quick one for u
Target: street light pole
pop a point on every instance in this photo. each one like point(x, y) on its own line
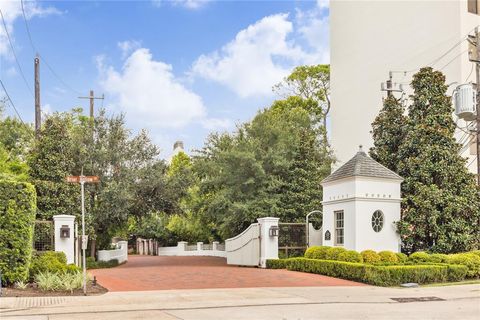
point(82, 184)
point(308, 227)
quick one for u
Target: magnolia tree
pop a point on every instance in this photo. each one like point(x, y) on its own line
point(441, 202)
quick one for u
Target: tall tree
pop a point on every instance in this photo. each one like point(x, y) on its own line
point(310, 83)
point(441, 207)
point(247, 174)
point(388, 132)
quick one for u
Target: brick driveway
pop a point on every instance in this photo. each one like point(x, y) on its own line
point(163, 273)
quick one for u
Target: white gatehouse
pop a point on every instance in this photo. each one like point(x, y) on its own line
point(361, 206)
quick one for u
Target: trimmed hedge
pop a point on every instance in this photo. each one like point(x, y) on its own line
point(388, 257)
point(277, 263)
point(470, 260)
point(92, 264)
point(17, 218)
point(316, 252)
point(378, 275)
point(350, 256)
point(332, 253)
point(370, 256)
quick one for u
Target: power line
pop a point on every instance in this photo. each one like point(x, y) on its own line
point(14, 54)
point(65, 84)
point(11, 102)
point(431, 64)
point(454, 58)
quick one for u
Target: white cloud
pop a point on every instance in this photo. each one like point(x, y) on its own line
point(189, 4)
point(256, 59)
point(147, 90)
point(12, 10)
point(128, 46)
point(262, 54)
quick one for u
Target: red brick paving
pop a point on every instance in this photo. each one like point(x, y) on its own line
point(162, 273)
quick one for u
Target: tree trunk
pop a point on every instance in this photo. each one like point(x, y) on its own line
point(93, 247)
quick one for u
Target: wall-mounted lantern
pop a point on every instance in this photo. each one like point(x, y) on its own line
point(328, 236)
point(64, 231)
point(273, 231)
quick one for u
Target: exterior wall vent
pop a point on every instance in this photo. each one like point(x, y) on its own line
point(465, 102)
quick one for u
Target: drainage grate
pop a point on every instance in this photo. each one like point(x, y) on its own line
point(417, 299)
point(30, 302)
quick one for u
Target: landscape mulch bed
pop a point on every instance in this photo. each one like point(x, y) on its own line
point(30, 291)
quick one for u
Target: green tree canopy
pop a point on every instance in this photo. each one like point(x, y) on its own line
point(441, 206)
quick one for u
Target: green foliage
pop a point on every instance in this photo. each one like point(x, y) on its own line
point(53, 281)
point(269, 166)
point(48, 261)
point(190, 228)
point(388, 132)
point(332, 253)
point(277, 263)
point(92, 264)
point(12, 168)
point(388, 256)
point(419, 257)
point(376, 275)
point(316, 252)
point(16, 137)
point(441, 202)
point(470, 260)
point(350, 256)
point(17, 216)
point(402, 257)
point(441, 207)
point(370, 256)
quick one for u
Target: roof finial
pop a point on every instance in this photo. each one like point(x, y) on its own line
point(360, 148)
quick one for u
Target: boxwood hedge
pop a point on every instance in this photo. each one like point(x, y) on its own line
point(390, 275)
point(17, 218)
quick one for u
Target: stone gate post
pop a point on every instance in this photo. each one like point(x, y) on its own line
point(268, 239)
point(64, 236)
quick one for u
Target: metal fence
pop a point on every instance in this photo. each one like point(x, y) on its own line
point(43, 236)
point(292, 239)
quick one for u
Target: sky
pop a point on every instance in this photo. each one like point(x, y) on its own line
point(180, 69)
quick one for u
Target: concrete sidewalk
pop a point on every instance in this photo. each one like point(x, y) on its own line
point(455, 302)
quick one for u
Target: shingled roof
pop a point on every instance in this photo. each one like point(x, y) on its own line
point(362, 165)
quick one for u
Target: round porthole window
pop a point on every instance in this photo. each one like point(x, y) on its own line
point(377, 221)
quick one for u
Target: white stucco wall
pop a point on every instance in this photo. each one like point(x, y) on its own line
point(66, 245)
point(370, 38)
point(359, 198)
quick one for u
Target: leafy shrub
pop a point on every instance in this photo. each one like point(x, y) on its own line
point(21, 285)
point(277, 263)
point(439, 258)
point(72, 268)
point(388, 256)
point(48, 261)
point(52, 281)
point(470, 260)
point(333, 252)
point(316, 252)
point(370, 256)
point(419, 257)
point(402, 257)
point(477, 252)
point(378, 275)
point(17, 217)
point(350, 256)
point(92, 264)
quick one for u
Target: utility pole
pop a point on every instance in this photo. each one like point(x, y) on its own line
point(92, 98)
point(389, 86)
point(38, 112)
point(477, 45)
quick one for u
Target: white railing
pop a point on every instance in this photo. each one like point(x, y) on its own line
point(121, 254)
point(199, 249)
point(244, 249)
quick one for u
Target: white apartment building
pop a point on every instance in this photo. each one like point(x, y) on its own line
point(370, 38)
